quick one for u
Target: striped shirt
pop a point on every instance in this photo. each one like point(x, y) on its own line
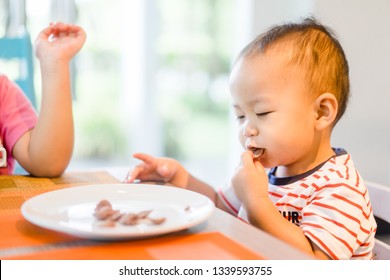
point(17, 116)
point(329, 203)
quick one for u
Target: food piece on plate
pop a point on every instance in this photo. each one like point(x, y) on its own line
point(157, 221)
point(129, 219)
point(115, 217)
point(107, 223)
point(105, 212)
point(103, 203)
point(109, 216)
point(144, 214)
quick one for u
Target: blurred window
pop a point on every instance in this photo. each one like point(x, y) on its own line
point(152, 77)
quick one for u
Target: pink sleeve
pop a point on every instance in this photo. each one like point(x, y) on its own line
point(17, 116)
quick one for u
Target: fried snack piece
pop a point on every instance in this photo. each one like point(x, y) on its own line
point(105, 212)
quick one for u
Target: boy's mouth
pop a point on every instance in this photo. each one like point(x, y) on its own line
point(257, 152)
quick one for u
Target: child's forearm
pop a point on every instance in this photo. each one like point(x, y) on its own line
point(52, 139)
point(265, 216)
point(197, 185)
point(46, 150)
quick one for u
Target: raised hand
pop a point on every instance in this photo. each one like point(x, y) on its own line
point(59, 41)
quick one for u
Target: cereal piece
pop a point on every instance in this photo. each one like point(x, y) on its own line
point(103, 203)
point(109, 217)
point(107, 223)
point(129, 219)
point(157, 221)
point(105, 212)
point(144, 214)
point(116, 216)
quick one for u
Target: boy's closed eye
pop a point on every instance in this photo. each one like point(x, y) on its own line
point(263, 114)
point(240, 115)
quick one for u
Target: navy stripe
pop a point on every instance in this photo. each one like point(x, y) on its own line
point(281, 181)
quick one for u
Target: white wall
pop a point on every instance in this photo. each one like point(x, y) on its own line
point(363, 28)
point(139, 64)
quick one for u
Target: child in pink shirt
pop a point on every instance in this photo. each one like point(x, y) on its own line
point(42, 145)
point(17, 116)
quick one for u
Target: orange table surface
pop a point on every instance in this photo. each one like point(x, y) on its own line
point(200, 246)
point(20, 239)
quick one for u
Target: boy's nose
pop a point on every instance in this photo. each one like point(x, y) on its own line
point(250, 130)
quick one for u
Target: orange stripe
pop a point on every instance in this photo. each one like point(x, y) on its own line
point(357, 179)
point(326, 178)
point(292, 195)
point(337, 210)
point(358, 206)
point(298, 196)
point(314, 185)
point(339, 173)
point(339, 185)
point(338, 238)
point(368, 202)
point(346, 167)
point(361, 255)
point(347, 172)
point(347, 159)
point(336, 171)
point(275, 194)
point(288, 204)
point(313, 199)
point(304, 185)
point(227, 202)
point(241, 219)
point(332, 221)
point(330, 253)
point(360, 243)
point(367, 231)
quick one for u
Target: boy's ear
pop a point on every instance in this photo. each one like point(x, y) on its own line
point(326, 107)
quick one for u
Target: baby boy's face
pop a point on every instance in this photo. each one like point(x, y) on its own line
point(275, 116)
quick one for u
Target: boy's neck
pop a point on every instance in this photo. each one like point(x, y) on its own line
point(317, 157)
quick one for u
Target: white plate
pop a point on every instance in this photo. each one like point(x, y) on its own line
point(71, 210)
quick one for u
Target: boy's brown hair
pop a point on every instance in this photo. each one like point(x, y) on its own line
point(315, 48)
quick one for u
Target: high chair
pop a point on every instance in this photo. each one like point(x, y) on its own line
point(19, 49)
point(380, 201)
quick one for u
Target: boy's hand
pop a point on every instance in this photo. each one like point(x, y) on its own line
point(159, 169)
point(250, 180)
point(59, 41)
